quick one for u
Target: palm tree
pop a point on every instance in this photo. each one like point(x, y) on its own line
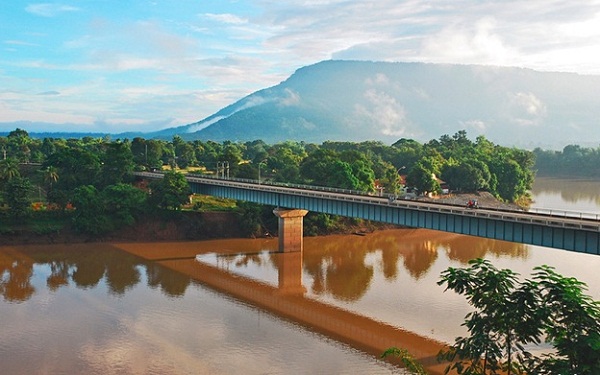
point(51, 175)
point(9, 169)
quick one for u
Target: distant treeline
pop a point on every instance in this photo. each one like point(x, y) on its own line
point(572, 161)
point(91, 178)
point(454, 162)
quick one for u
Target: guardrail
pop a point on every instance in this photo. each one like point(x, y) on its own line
point(551, 217)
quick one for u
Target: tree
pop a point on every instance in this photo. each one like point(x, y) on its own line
point(50, 176)
point(509, 314)
point(18, 144)
point(76, 167)
point(15, 193)
point(232, 155)
point(90, 216)
point(122, 203)
point(314, 168)
point(100, 212)
point(467, 177)
point(362, 169)
point(573, 325)
point(422, 178)
point(117, 163)
point(512, 180)
point(170, 192)
point(340, 175)
point(9, 169)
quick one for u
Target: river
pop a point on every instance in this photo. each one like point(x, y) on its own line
point(237, 306)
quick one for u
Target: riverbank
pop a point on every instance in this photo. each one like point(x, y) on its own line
point(197, 226)
point(180, 226)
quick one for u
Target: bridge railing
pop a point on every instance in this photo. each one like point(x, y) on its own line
point(287, 184)
point(385, 198)
point(565, 214)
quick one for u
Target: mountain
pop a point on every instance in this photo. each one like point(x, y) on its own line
point(360, 100)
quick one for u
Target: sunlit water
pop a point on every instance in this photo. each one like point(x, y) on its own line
point(157, 309)
point(569, 195)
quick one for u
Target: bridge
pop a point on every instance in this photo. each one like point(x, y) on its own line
point(577, 232)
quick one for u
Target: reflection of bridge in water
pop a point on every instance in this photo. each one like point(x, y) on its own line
point(287, 300)
point(580, 232)
point(283, 292)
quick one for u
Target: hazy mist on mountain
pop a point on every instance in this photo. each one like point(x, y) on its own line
point(359, 100)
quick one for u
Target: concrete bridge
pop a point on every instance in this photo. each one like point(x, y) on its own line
point(577, 232)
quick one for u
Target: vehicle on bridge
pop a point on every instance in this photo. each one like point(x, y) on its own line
point(472, 203)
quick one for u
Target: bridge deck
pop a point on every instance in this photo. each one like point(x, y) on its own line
point(576, 231)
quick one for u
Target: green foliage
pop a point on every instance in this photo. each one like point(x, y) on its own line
point(210, 203)
point(467, 177)
point(407, 359)
point(100, 212)
point(422, 177)
point(510, 314)
point(316, 223)
point(513, 180)
point(574, 328)
point(170, 192)
point(75, 167)
point(15, 193)
point(250, 215)
point(9, 169)
point(467, 166)
point(117, 164)
point(572, 161)
point(349, 170)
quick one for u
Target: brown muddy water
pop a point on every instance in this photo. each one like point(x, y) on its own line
point(236, 306)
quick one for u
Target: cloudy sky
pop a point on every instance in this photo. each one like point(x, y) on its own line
point(115, 65)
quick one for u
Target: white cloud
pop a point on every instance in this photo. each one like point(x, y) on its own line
point(20, 43)
point(291, 98)
point(526, 109)
point(478, 126)
point(468, 43)
point(226, 18)
point(384, 113)
point(49, 10)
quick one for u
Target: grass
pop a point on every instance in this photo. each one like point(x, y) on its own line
point(209, 203)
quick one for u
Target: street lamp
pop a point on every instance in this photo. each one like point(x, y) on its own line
point(259, 163)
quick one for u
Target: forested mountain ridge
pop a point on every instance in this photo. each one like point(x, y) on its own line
point(359, 100)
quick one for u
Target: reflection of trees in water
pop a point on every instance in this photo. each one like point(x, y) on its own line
point(339, 268)
point(121, 272)
point(347, 277)
point(465, 248)
point(171, 283)
point(418, 259)
point(244, 259)
point(85, 267)
point(89, 270)
point(570, 190)
point(59, 275)
point(337, 264)
point(15, 277)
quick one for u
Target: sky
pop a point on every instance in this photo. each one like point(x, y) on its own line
point(143, 65)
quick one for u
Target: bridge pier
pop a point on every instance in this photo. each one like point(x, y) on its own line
point(290, 229)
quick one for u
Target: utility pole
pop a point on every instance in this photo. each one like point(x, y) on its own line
point(221, 167)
